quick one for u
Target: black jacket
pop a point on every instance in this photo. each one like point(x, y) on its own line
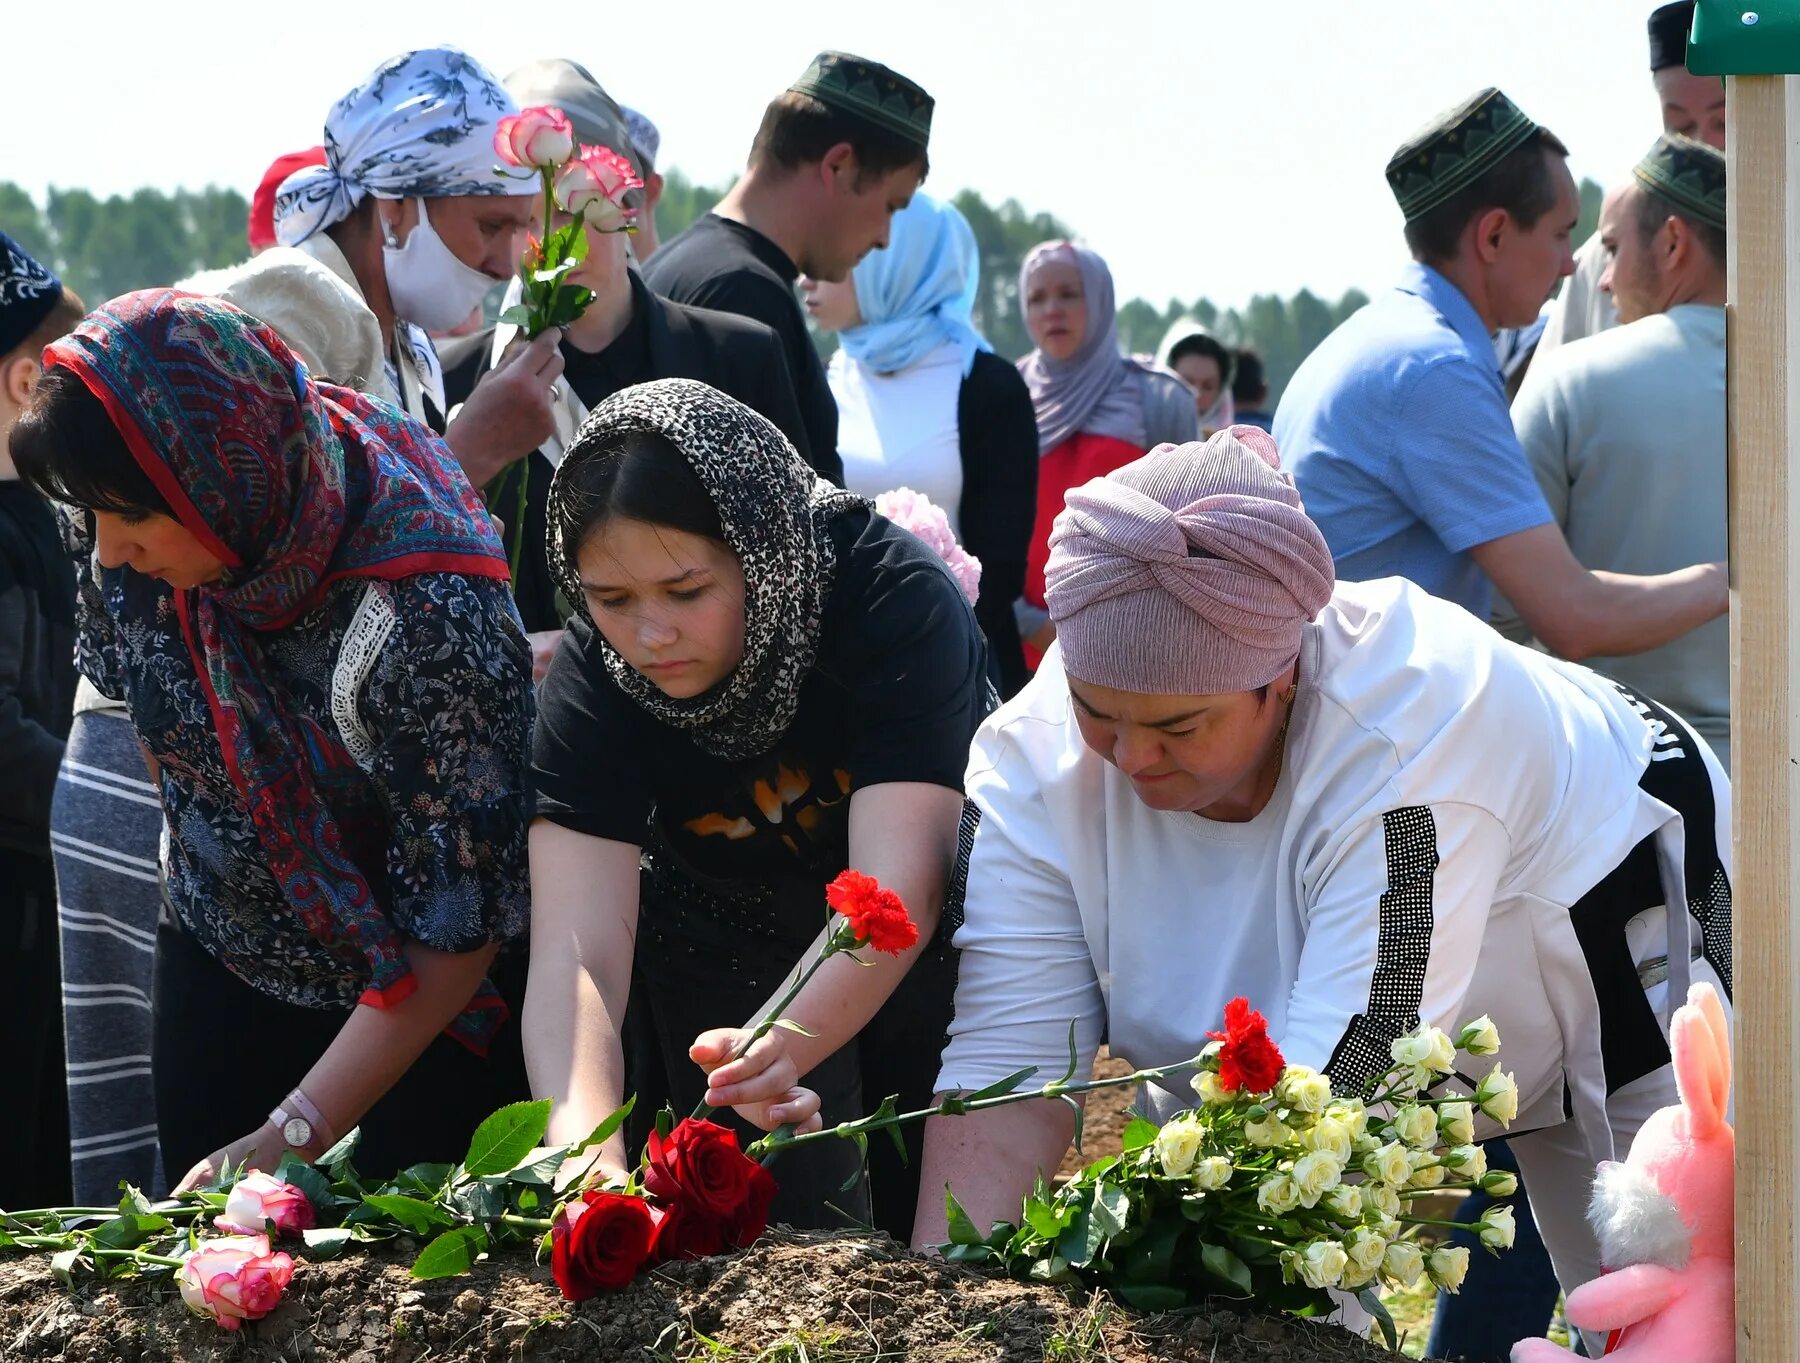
point(37, 667)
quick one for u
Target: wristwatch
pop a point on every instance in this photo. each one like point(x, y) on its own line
point(299, 1122)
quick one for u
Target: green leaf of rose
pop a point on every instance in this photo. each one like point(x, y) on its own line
point(1226, 1267)
point(604, 1132)
point(326, 1242)
point(507, 1137)
point(128, 1232)
point(1138, 1134)
point(1151, 1296)
point(1372, 1303)
point(454, 1251)
point(297, 1172)
point(962, 1229)
point(1111, 1209)
point(410, 1212)
point(340, 1153)
point(1081, 1241)
point(516, 316)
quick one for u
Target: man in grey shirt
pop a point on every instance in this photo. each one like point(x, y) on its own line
point(1625, 431)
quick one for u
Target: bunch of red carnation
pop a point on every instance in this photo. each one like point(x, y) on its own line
point(702, 1195)
point(1248, 1060)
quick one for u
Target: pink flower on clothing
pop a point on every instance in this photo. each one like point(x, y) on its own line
point(234, 1279)
point(257, 1199)
point(916, 512)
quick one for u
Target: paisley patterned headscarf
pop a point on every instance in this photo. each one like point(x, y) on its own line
point(776, 514)
point(421, 126)
point(293, 485)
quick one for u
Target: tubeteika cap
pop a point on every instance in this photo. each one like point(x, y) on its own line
point(1456, 149)
point(1689, 174)
point(870, 90)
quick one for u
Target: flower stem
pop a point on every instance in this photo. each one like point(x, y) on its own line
point(533, 1223)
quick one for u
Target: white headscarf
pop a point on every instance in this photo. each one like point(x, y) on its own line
point(422, 125)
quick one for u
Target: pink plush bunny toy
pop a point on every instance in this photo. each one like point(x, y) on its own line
point(1663, 1217)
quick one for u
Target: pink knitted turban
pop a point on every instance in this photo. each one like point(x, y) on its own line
point(1190, 571)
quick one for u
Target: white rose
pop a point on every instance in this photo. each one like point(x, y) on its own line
point(1277, 1195)
point(1390, 1164)
point(1365, 1249)
point(1456, 1122)
point(1344, 1201)
point(1352, 1115)
point(1355, 1279)
point(1499, 1183)
point(1303, 1089)
point(1411, 1050)
point(1268, 1133)
point(1315, 1174)
point(1442, 1057)
point(1207, 1085)
point(1498, 1096)
point(1177, 1145)
point(1381, 1198)
point(1322, 1263)
point(1497, 1228)
point(1330, 1135)
point(1479, 1037)
point(1448, 1265)
point(1428, 1175)
point(1403, 1262)
point(1211, 1173)
point(1417, 1126)
point(1469, 1161)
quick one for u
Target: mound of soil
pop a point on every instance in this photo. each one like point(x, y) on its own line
point(846, 1296)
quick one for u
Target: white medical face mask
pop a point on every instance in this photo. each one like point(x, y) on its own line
point(429, 286)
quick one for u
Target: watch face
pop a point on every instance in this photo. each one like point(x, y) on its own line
point(298, 1132)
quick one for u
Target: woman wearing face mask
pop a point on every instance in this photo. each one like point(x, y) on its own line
point(305, 610)
point(1204, 365)
point(409, 213)
point(923, 402)
point(766, 683)
point(1096, 409)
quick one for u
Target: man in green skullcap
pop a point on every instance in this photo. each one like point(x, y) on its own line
point(840, 151)
point(1693, 106)
point(1397, 429)
point(1625, 430)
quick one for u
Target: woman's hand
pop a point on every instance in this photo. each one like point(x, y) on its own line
point(763, 1084)
point(261, 1149)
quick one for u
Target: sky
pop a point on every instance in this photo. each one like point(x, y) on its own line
point(1202, 147)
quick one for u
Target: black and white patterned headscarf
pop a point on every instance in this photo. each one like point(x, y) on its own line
point(28, 291)
point(775, 511)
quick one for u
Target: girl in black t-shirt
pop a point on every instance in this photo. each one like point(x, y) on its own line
point(765, 683)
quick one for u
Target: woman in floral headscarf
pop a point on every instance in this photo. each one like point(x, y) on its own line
point(764, 684)
point(305, 611)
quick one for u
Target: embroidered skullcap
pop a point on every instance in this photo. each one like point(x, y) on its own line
point(261, 226)
point(1191, 571)
point(1455, 150)
point(856, 85)
point(421, 126)
point(644, 137)
point(1669, 28)
point(1689, 174)
point(567, 85)
point(28, 291)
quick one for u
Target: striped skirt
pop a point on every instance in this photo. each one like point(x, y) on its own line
point(105, 827)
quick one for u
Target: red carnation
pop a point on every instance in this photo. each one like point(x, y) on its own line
point(599, 1243)
point(875, 914)
point(1248, 1060)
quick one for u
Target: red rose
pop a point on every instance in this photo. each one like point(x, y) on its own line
point(877, 915)
point(686, 1231)
point(699, 1165)
point(600, 1243)
point(1248, 1060)
point(751, 1218)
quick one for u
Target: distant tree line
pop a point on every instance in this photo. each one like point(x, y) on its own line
point(105, 247)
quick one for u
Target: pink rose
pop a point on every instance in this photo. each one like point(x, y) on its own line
point(539, 138)
point(597, 181)
point(234, 1279)
point(258, 1199)
point(916, 512)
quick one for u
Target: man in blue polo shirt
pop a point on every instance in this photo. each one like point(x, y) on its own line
point(1397, 429)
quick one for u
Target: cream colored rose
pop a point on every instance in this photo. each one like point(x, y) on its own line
point(1391, 1164)
point(1441, 1059)
point(1352, 1115)
point(1177, 1146)
point(1365, 1250)
point(1277, 1195)
point(1322, 1263)
point(1345, 1201)
point(1303, 1089)
point(1355, 1279)
point(1498, 1096)
point(1479, 1037)
point(1468, 1161)
point(1382, 1198)
point(1415, 1125)
point(1497, 1228)
point(1427, 1172)
point(1331, 1136)
point(1411, 1050)
point(1499, 1183)
point(1403, 1262)
point(1207, 1085)
point(1315, 1174)
point(1268, 1133)
point(1456, 1122)
point(1448, 1266)
point(1211, 1173)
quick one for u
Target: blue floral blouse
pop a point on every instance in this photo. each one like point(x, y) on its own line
point(427, 682)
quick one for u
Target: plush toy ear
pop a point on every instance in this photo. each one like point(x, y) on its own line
point(1701, 1042)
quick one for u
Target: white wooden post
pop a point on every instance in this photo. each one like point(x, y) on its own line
point(1763, 151)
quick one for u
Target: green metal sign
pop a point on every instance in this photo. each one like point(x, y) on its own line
point(1745, 38)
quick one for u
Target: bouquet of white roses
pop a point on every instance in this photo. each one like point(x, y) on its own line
point(1273, 1189)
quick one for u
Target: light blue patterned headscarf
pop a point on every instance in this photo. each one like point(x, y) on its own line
point(422, 125)
point(919, 293)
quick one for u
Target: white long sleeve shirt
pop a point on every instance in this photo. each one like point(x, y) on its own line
point(1445, 797)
